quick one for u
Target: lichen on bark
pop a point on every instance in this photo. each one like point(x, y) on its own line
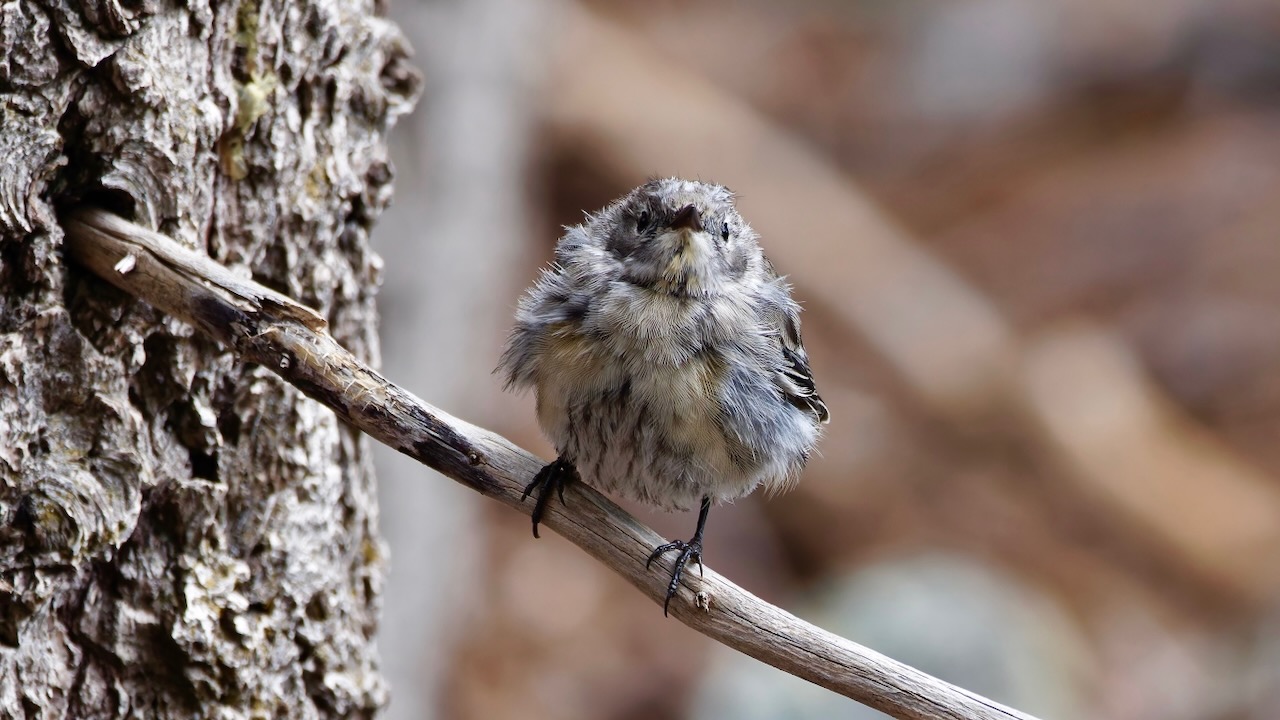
point(182, 535)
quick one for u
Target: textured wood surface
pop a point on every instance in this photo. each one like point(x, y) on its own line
point(181, 535)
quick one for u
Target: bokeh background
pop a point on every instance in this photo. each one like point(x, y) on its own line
point(1038, 244)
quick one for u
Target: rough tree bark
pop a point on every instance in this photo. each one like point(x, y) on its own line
point(181, 535)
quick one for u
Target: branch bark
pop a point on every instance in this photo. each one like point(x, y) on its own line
point(270, 329)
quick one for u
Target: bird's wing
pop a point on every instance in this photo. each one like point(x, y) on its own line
point(793, 376)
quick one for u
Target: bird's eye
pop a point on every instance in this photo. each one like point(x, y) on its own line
point(724, 232)
point(642, 221)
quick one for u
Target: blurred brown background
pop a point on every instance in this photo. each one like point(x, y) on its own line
point(1038, 244)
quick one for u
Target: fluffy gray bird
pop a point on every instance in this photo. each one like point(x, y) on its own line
point(666, 356)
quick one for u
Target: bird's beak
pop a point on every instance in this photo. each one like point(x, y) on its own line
point(687, 219)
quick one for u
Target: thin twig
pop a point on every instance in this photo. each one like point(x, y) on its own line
point(267, 328)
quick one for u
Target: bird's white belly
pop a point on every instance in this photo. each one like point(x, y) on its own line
point(649, 433)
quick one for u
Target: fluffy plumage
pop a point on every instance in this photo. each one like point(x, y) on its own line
point(668, 364)
point(666, 355)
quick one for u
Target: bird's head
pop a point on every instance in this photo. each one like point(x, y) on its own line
point(680, 237)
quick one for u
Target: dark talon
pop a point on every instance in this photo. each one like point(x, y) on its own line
point(550, 479)
point(691, 550)
point(688, 551)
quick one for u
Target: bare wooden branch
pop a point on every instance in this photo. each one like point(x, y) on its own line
point(267, 328)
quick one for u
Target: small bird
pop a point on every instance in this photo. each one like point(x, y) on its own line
point(666, 357)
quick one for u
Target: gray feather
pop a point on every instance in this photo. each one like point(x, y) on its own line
point(667, 362)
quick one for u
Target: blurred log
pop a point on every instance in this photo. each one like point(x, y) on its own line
point(1131, 448)
point(457, 231)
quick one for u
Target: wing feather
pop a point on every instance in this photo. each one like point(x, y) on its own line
point(793, 376)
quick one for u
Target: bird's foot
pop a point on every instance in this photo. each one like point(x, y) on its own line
point(551, 479)
point(691, 550)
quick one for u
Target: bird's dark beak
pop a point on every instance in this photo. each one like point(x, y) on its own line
point(687, 219)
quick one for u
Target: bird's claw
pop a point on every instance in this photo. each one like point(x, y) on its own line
point(688, 551)
point(550, 479)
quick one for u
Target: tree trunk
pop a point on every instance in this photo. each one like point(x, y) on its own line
point(182, 535)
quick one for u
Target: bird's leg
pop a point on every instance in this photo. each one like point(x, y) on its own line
point(691, 550)
point(550, 479)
